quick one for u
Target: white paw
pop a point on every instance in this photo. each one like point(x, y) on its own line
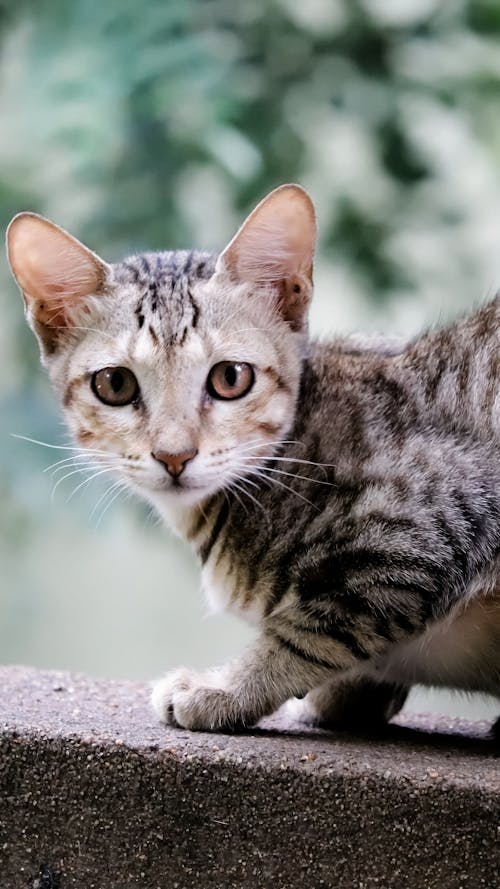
point(298, 710)
point(166, 691)
point(194, 701)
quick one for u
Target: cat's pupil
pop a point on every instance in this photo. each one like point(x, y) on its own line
point(116, 380)
point(230, 375)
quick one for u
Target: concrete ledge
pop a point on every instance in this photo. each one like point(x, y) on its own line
point(96, 795)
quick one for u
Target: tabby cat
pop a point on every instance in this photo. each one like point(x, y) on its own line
point(344, 496)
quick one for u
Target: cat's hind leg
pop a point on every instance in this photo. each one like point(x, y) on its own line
point(495, 730)
point(357, 703)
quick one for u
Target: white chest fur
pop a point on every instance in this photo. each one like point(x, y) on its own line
point(225, 592)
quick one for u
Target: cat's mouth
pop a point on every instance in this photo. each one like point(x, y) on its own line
point(174, 486)
point(180, 486)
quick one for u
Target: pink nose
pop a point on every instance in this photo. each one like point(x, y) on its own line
point(174, 463)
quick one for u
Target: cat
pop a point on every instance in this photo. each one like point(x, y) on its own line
point(343, 496)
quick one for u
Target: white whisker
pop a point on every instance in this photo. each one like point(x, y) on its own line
point(261, 473)
point(88, 464)
point(83, 455)
point(120, 491)
point(247, 493)
point(230, 487)
point(104, 496)
point(245, 478)
point(305, 478)
point(68, 475)
point(306, 462)
point(259, 443)
point(45, 444)
point(80, 467)
point(87, 480)
point(292, 491)
point(242, 450)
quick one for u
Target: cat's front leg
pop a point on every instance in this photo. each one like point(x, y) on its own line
point(240, 693)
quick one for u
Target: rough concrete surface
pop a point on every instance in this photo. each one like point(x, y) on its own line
point(95, 794)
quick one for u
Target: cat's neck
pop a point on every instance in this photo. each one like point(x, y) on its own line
point(191, 522)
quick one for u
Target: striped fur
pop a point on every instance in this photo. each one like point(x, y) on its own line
point(348, 505)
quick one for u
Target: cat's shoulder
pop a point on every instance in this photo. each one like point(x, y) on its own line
point(366, 345)
point(349, 356)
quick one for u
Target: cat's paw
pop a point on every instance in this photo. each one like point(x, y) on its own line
point(356, 704)
point(195, 701)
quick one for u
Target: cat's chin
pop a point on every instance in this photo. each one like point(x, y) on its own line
point(169, 502)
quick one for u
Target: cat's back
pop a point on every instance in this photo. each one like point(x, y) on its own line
point(389, 460)
point(357, 360)
point(443, 383)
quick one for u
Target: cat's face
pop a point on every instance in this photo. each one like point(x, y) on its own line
point(179, 371)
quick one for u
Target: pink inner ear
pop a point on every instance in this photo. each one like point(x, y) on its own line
point(51, 266)
point(262, 254)
point(277, 240)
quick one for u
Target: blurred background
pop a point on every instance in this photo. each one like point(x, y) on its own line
point(158, 125)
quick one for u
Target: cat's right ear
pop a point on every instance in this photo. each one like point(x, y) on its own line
point(275, 248)
point(56, 273)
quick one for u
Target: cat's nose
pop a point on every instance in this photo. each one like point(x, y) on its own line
point(174, 463)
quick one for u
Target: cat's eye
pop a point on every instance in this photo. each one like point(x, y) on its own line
point(230, 379)
point(116, 386)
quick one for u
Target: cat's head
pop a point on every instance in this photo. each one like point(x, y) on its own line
point(179, 369)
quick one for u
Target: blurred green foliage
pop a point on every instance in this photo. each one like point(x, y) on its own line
point(131, 121)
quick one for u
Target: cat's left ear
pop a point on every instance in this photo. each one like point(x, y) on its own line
point(55, 272)
point(275, 247)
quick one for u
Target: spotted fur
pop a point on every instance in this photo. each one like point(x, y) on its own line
point(348, 504)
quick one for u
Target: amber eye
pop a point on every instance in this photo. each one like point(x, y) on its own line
point(116, 386)
point(230, 379)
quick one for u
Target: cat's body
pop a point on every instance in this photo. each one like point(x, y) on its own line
point(343, 496)
point(405, 498)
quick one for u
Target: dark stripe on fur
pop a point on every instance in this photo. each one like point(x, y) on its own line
point(333, 629)
point(134, 272)
point(338, 572)
point(153, 295)
point(195, 307)
point(300, 653)
point(219, 523)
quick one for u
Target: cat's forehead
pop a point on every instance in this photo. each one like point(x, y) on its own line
point(161, 290)
point(167, 268)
